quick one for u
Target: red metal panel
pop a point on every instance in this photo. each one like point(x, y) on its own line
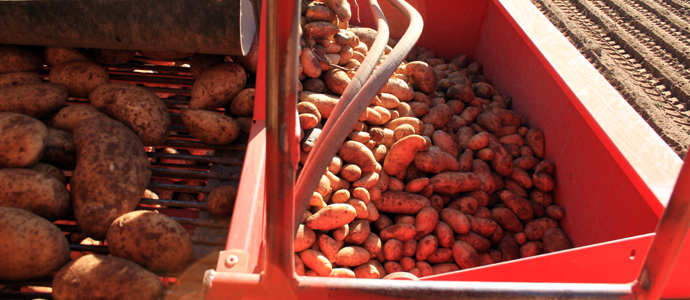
point(604, 199)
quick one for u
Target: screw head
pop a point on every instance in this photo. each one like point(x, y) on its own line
point(231, 261)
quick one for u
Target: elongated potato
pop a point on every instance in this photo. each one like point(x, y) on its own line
point(111, 175)
point(20, 59)
point(332, 217)
point(218, 85)
point(105, 277)
point(454, 182)
point(19, 78)
point(357, 153)
point(210, 127)
point(153, 240)
point(22, 140)
point(80, 77)
point(324, 103)
point(54, 56)
point(35, 100)
point(69, 117)
point(352, 256)
point(52, 171)
point(34, 191)
point(401, 202)
point(30, 246)
point(316, 261)
point(243, 104)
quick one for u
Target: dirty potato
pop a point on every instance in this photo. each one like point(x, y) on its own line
point(210, 127)
point(217, 86)
point(34, 100)
point(22, 140)
point(80, 77)
point(34, 191)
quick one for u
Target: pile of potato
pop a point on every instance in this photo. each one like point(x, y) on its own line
point(104, 143)
point(437, 175)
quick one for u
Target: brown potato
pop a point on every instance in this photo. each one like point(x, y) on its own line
point(50, 170)
point(104, 277)
point(402, 232)
point(59, 148)
point(422, 76)
point(401, 202)
point(136, 107)
point(555, 240)
point(320, 29)
point(35, 100)
point(221, 201)
point(435, 161)
point(316, 261)
point(393, 250)
point(54, 56)
point(69, 117)
point(80, 77)
point(112, 56)
point(536, 229)
point(19, 78)
point(243, 104)
point(153, 240)
point(332, 217)
point(20, 59)
point(352, 256)
point(535, 140)
point(201, 62)
point(454, 182)
point(34, 191)
point(210, 127)
point(359, 232)
point(111, 175)
point(217, 86)
point(22, 140)
point(30, 246)
point(357, 153)
point(531, 248)
point(456, 220)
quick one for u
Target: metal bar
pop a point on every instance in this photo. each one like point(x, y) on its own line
point(243, 286)
point(328, 142)
point(189, 26)
point(178, 188)
point(203, 222)
point(173, 203)
point(198, 158)
point(89, 248)
point(670, 234)
point(282, 21)
point(152, 78)
point(242, 146)
point(188, 174)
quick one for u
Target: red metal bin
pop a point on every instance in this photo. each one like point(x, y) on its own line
point(615, 174)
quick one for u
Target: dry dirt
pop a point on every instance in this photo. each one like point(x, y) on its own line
point(642, 47)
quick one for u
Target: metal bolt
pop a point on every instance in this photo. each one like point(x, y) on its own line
point(231, 261)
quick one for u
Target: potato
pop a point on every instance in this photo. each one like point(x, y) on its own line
point(50, 170)
point(531, 248)
point(217, 86)
point(342, 273)
point(320, 29)
point(324, 103)
point(357, 153)
point(520, 206)
point(30, 246)
point(426, 246)
point(393, 250)
point(19, 78)
point(210, 127)
point(403, 152)
point(80, 77)
point(401, 202)
point(221, 201)
point(352, 256)
point(332, 217)
point(317, 11)
point(535, 140)
point(201, 62)
point(454, 182)
point(136, 107)
point(359, 232)
point(336, 81)
point(316, 261)
point(34, 191)
point(402, 232)
point(22, 140)
point(54, 56)
point(435, 161)
point(441, 255)
point(153, 240)
point(555, 240)
point(422, 76)
point(69, 117)
point(536, 229)
point(104, 277)
point(243, 104)
point(456, 220)
point(465, 255)
point(112, 173)
point(482, 226)
point(112, 56)
point(59, 148)
point(35, 100)
point(367, 270)
point(20, 59)
point(509, 248)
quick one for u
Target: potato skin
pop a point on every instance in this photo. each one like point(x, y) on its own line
point(34, 191)
point(80, 77)
point(210, 127)
point(19, 59)
point(153, 240)
point(136, 107)
point(59, 148)
point(111, 175)
point(30, 246)
point(105, 277)
point(22, 140)
point(34, 100)
point(218, 85)
point(112, 57)
point(19, 78)
point(54, 56)
point(221, 201)
point(69, 117)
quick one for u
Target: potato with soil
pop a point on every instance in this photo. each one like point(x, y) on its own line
point(59, 148)
point(210, 127)
point(105, 277)
point(54, 56)
point(19, 78)
point(153, 240)
point(20, 59)
point(22, 140)
point(80, 77)
point(69, 117)
point(111, 175)
point(30, 246)
point(221, 201)
point(50, 170)
point(34, 191)
point(34, 100)
point(217, 86)
point(243, 104)
point(112, 56)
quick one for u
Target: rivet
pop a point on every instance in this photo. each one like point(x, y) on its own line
point(231, 261)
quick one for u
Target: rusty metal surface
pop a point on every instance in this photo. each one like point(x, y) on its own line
point(190, 26)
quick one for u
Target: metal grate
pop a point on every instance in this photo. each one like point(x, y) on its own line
point(182, 181)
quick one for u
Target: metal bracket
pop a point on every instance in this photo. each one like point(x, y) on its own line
point(233, 261)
